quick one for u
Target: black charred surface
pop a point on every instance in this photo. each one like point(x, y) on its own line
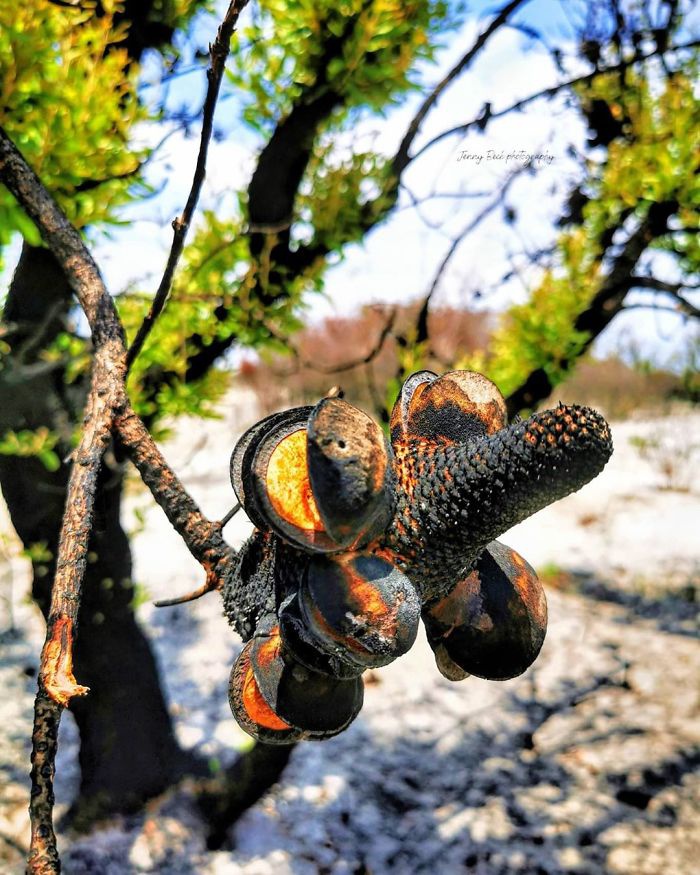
point(454, 499)
point(249, 594)
point(493, 623)
point(350, 471)
point(364, 610)
point(318, 704)
point(305, 647)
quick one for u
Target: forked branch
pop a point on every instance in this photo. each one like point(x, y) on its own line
point(106, 408)
point(56, 682)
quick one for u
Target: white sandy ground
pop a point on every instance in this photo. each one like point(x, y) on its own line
point(586, 764)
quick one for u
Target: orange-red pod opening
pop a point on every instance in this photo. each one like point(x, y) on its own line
point(318, 477)
point(320, 705)
point(251, 710)
point(242, 468)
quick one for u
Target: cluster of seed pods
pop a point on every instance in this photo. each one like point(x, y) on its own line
point(357, 538)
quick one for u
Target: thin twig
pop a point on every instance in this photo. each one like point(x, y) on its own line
point(202, 536)
point(330, 370)
point(547, 92)
point(219, 52)
point(365, 359)
point(230, 515)
point(211, 584)
point(422, 318)
point(401, 158)
point(683, 306)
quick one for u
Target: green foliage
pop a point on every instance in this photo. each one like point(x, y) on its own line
point(38, 552)
point(72, 351)
point(366, 52)
point(656, 161)
point(68, 103)
point(176, 13)
point(216, 275)
point(39, 443)
point(141, 595)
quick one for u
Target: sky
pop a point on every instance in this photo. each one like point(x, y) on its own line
point(397, 261)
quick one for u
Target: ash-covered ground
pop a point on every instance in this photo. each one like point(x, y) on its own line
point(588, 763)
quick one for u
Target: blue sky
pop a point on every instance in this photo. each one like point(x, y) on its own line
point(397, 261)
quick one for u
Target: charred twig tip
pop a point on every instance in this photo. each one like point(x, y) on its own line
point(57, 664)
point(212, 583)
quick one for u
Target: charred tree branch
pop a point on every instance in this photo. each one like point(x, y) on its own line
point(56, 682)
point(202, 537)
point(106, 398)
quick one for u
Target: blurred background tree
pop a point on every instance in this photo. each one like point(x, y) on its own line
point(304, 79)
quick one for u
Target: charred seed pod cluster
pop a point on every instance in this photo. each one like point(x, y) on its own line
point(358, 538)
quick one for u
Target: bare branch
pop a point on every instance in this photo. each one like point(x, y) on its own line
point(56, 682)
point(422, 319)
point(651, 305)
point(401, 158)
point(369, 356)
point(416, 203)
point(219, 52)
point(480, 121)
point(202, 536)
point(230, 515)
point(211, 584)
point(684, 306)
point(365, 359)
point(62, 239)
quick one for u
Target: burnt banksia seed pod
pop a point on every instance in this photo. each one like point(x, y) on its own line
point(318, 477)
point(359, 607)
point(357, 539)
point(492, 623)
point(455, 407)
point(278, 700)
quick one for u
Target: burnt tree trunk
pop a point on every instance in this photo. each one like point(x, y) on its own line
point(128, 751)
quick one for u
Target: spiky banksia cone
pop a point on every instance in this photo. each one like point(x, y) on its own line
point(356, 537)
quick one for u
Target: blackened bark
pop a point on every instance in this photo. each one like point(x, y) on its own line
point(128, 749)
point(605, 305)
